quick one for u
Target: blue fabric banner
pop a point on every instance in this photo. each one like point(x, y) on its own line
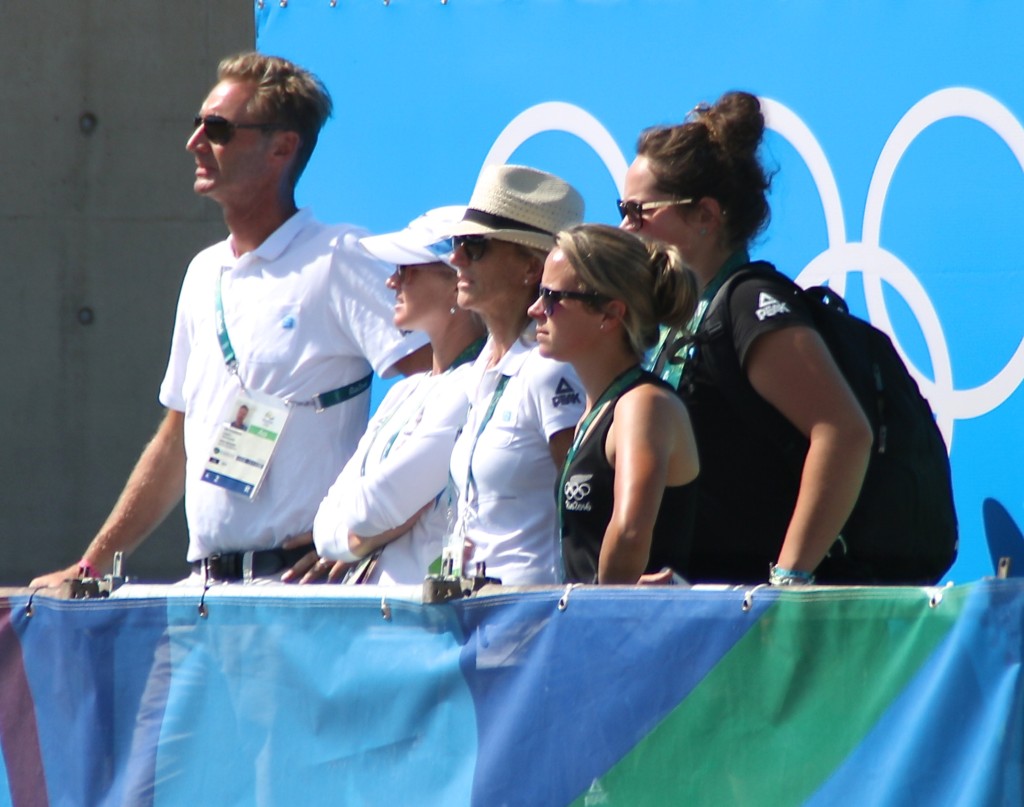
point(589, 696)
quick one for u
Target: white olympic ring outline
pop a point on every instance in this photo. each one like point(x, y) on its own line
point(841, 256)
point(557, 116)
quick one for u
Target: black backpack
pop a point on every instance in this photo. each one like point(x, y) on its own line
point(903, 528)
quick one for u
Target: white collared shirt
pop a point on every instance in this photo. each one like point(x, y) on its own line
point(509, 510)
point(306, 312)
point(400, 466)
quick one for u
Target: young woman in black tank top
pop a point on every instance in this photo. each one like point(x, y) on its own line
point(626, 490)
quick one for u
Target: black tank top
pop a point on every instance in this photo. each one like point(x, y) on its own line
point(587, 498)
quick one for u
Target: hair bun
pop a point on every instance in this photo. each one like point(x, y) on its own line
point(715, 154)
point(735, 123)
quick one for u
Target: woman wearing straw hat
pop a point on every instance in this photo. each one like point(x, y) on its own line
point(626, 496)
point(383, 518)
point(523, 407)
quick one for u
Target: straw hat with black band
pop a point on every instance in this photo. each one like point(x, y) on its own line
point(522, 205)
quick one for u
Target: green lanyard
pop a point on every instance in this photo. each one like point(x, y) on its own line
point(495, 397)
point(736, 260)
point(322, 401)
point(621, 382)
point(455, 534)
point(230, 359)
point(672, 339)
point(469, 354)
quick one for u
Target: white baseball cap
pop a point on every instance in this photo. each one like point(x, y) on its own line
point(409, 246)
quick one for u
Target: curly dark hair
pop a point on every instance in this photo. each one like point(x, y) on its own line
point(714, 154)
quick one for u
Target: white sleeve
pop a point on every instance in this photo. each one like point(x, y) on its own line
point(366, 305)
point(330, 525)
point(330, 535)
point(556, 392)
point(392, 491)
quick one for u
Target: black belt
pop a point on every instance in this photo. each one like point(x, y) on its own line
point(265, 562)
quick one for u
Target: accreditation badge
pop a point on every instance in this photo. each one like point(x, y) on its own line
point(250, 429)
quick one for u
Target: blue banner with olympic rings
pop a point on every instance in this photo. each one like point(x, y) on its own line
point(895, 133)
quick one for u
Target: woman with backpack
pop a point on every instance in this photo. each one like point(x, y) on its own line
point(701, 187)
point(626, 494)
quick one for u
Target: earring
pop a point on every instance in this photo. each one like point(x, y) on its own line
point(452, 310)
point(703, 231)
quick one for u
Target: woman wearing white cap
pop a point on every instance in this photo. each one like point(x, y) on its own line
point(524, 407)
point(383, 518)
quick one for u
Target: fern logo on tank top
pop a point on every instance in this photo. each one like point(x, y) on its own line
point(577, 492)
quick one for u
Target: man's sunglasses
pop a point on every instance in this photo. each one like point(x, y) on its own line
point(551, 297)
point(633, 212)
point(220, 130)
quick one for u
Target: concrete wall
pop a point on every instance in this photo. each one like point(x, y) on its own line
point(97, 224)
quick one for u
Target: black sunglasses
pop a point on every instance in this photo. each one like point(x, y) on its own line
point(220, 130)
point(551, 297)
point(474, 245)
point(633, 212)
point(408, 270)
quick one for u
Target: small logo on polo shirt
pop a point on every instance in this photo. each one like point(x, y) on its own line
point(565, 395)
point(768, 306)
point(577, 491)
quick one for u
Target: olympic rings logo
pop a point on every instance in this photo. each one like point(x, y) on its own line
point(841, 257)
point(577, 487)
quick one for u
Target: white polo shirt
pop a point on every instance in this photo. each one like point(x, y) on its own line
point(400, 465)
point(306, 312)
point(509, 507)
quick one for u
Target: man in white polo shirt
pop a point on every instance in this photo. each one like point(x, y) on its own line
point(287, 317)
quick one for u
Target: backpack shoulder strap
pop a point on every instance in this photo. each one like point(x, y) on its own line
point(674, 342)
point(677, 340)
point(717, 352)
point(718, 308)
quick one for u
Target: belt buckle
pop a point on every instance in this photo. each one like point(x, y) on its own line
point(214, 567)
point(247, 563)
point(208, 569)
point(224, 567)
